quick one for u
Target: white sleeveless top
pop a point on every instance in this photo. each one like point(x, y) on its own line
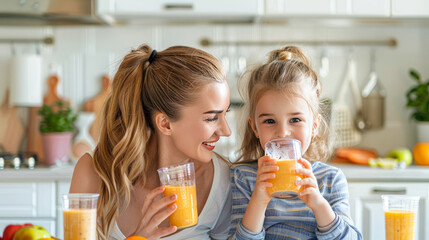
point(215, 218)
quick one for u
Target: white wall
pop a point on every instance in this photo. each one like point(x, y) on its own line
point(82, 54)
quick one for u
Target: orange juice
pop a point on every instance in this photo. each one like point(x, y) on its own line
point(80, 224)
point(284, 184)
point(186, 214)
point(400, 225)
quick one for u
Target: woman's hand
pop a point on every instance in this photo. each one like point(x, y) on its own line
point(266, 170)
point(309, 193)
point(154, 212)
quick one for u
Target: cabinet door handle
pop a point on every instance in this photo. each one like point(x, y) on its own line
point(183, 6)
point(389, 190)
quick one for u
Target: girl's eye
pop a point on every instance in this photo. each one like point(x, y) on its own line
point(294, 120)
point(270, 121)
point(211, 119)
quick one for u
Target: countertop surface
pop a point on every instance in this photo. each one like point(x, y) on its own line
point(60, 173)
point(354, 173)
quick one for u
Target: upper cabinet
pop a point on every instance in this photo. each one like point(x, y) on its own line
point(255, 10)
point(410, 8)
point(300, 7)
point(364, 8)
point(179, 9)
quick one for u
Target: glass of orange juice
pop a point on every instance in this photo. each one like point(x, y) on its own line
point(400, 215)
point(180, 180)
point(80, 216)
point(286, 151)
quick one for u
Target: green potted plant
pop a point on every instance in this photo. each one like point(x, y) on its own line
point(418, 101)
point(57, 127)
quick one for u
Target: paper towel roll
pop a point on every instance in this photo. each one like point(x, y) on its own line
point(26, 80)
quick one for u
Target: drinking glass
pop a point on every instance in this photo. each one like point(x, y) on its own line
point(80, 216)
point(286, 151)
point(400, 215)
point(180, 180)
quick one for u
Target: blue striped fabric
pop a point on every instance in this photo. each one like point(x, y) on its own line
point(292, 219)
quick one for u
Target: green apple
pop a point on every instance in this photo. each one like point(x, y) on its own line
point(31, 233)
point(402, 154)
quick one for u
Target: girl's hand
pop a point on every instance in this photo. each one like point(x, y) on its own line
point(154, 212)
point(266, 170)
point(309, 193)
point(253, 218)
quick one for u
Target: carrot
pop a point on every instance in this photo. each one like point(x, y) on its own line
point(356, 155)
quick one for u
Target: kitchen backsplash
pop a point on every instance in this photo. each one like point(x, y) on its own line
point(82, 54)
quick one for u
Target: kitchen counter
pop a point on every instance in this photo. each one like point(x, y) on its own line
point(35, 195)
point(361, 173)
point(353, 173)
point(61, 173)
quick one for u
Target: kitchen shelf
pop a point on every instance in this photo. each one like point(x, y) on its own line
point(391, 42)
point(47, 40)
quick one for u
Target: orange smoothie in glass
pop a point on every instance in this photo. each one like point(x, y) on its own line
point(400, 224)
point(284, 183)
point(186, 214)
point(80, 224)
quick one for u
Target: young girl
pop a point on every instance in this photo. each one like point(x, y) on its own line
point(165, 107)
point(283, 102)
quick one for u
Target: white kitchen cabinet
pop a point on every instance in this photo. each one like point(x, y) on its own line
point(27, 199)
point(367, 209)
point(179, 9)
point(28, 202)
point(34, 196)
point(410, 8)
point(300, 7)
point(364, 8)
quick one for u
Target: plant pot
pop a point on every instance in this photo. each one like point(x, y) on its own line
point(422, 131)
point(57, 147)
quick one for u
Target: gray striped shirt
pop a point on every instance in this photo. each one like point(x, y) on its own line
point(292, 218)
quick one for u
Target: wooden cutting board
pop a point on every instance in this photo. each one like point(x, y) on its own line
point(11, 128)
point(34, 143)
point(96, 105)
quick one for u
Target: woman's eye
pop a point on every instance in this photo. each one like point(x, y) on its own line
point(270, 121)
point(211, 119)
point(294, 120)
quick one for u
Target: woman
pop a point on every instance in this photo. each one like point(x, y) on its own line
point(165, 108)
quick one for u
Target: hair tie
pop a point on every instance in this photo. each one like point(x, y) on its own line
point(284, 56)
point(152, 56)
point(288, 55)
